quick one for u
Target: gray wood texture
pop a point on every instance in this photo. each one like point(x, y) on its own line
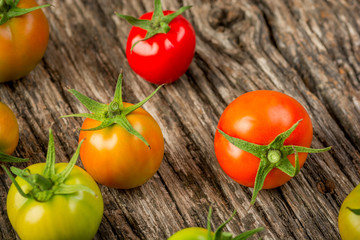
point(307, 49)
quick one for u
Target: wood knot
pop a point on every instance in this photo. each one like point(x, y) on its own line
point(224, 18)
point(327, 186)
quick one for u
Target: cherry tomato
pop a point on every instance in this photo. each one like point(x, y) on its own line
point(192, 233)
point(167, 54)
point(23, 42)
point(259, 117)
point(123, 144)
point(54, 201)
point(349, 216)
point(118, 159)
point(73, 216)
point(197, 233)
point(9, 130)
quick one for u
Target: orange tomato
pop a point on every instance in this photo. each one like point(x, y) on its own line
point(9, 130)
point(118, 159)
point(23, 42)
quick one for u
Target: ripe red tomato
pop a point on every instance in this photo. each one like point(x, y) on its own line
point(9, 130)
point(23, 42)
point(164, 57)
point(116, 158)
point(259, 117)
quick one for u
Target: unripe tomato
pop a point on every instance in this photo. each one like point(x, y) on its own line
point(349, 216)
point(9, 130)
point(71, 216)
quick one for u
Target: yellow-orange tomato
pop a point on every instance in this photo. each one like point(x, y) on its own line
point(23, 42)
point(9, 130)
point(118, 159)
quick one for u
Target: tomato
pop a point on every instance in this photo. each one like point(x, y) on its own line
point(349, 216)
point(259, 117)
point(165, 56)
point(118, 159)
point(9, 130)
point(23, 42)
point(197, 233)
point(192, 233)
point(123, 144)
point(63, 203)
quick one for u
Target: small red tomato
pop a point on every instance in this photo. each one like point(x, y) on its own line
point(9, 130)
point(161, 49)
point(263, 139)
point(24, 35)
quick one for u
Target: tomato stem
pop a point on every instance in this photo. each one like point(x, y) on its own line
point(274, 155)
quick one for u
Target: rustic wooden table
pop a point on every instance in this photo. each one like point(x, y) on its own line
point(307, 49)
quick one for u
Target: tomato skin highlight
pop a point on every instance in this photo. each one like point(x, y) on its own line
point(258, 117)
point(192, 233)
point(118, 159)
point(164, 57)
point(349, 222)
point(9, 130)
point(23, 41)
point(73, 216)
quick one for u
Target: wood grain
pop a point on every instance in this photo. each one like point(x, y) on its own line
point(307, 49)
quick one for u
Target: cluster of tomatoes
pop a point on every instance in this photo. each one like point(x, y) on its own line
point(122, 146)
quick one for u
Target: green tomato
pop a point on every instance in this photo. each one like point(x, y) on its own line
point(71, 216)
point(49, 201)
point(349, 216)
point(197, 233)
point(193, 233)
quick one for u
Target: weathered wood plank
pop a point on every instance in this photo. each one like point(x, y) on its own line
point(307, 49)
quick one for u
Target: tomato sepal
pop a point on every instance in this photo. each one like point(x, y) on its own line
point(355, 211)
point(158, 24)
point(8, 158)
point(220, 235)
point(273, 155)
point(46, 185)
point(9, 9)
point(112, 113)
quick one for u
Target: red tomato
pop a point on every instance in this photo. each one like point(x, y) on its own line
point(118, 159)
point(23, 42)
point(162, 58)
point(9, 130)
point(258, 117)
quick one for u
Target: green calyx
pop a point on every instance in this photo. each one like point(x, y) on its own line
point(158, 24)
point(220, 235)
point(355, 211)
point(7, 158)
point(110, 114)
point(49, 183)
point(9, 9)
point(274, 155)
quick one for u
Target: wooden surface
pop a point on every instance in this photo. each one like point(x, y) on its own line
point(307, 49)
